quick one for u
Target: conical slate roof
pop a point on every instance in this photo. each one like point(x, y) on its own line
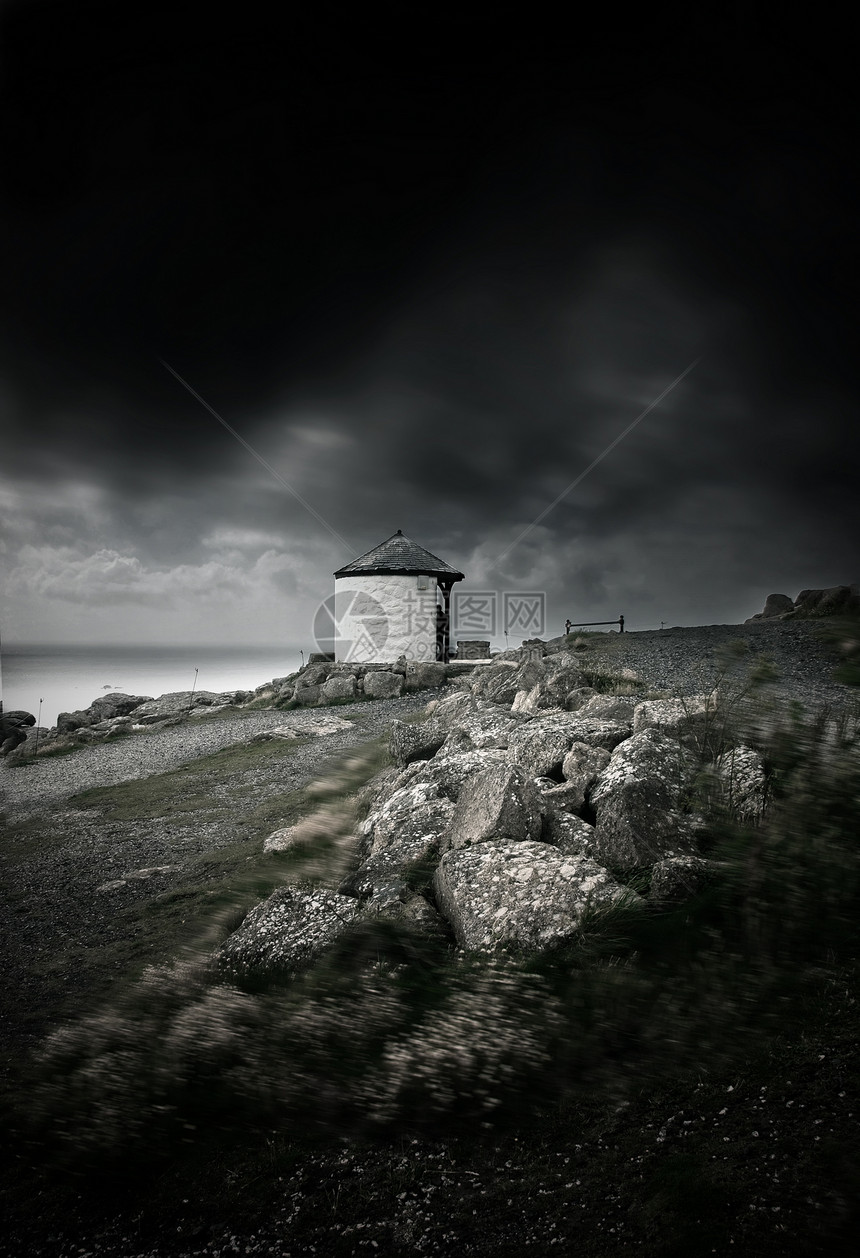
point(399, 555)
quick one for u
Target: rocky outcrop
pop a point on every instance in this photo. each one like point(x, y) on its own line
point(838, 600)
point(509, 823)
point(12, 730)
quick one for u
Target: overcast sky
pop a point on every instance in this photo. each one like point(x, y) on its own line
point(429, 268)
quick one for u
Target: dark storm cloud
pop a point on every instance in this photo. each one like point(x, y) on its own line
point(429, 287)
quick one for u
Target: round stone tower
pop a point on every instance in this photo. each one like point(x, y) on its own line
point(393, 601)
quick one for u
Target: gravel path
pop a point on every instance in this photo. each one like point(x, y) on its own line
point(45, 784)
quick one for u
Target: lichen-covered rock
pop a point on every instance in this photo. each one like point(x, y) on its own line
point(560, 796)
point(639, 802)
point(408, 827)
point(581, 767)
point(338, 687)
point(498, 683)
point(408, 743)
point(393, 813)
point(449, 770)
point(523, 894)
point(541, 744)
point(383, 684)
point(568, 833)
point(482, 723)
point(559, 687)
point(498, 802)
point(409, 833)
point(177, 703)
point(313, 674)
point(450, 710)
point(287, 932)
point(609, 708)
point(676, 715)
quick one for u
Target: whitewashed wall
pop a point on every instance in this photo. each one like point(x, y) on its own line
point(380, 618)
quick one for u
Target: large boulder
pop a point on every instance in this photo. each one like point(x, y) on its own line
point(679, 716)
point(107, 707)
point(424, 676)
point(505, 893)
point(176, 703)
point(639, 802)
point(498, 683)
point(451, 709)
point(287, 932)
point(383, 685)
point(776, 605)
point(450, 769)
point(338, 688)
point(568, 833)
point(383, 824)
point(408, 743)
point(499, 802)
point(609, 708)
point(69, 721)
point(407, 827)
point(482, 725)
point(12, 727)
point(313, 674)
point(409, 833)
point(838, 600)
point(540, 745)
point(308, 696)
point(559, 688)
point(581, 767)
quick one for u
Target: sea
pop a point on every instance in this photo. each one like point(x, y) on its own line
point(47, 680)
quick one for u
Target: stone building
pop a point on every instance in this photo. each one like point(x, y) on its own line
point(393, 601)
